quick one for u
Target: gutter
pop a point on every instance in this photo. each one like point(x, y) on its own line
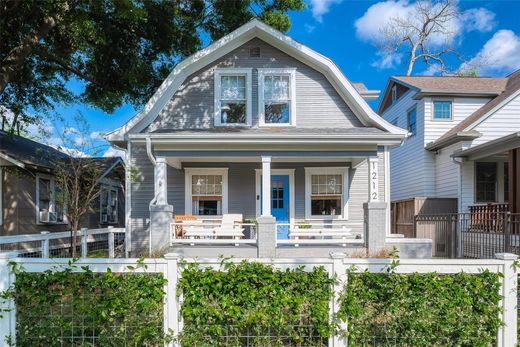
point(454, 138)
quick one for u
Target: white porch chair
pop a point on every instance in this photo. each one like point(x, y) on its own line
point(229, 227)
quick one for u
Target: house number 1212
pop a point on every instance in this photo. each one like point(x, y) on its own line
point(373, 179)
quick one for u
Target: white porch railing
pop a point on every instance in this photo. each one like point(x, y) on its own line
point(104, 242)
point(212, 232)
point(317, 233)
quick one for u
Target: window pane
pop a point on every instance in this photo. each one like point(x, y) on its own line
point(326, 207)
point(486, 179)
point(207, 207)
point(412, 120)
point(232, 112)
point(276, 112)
point(233, 88)
point(442, 110)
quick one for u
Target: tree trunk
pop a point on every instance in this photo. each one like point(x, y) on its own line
point(16, 57)
point(73, 236)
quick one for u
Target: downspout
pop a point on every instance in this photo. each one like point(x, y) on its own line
point(459, 161)
point(154, 200)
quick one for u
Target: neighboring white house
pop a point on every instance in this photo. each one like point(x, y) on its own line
point(464, 139)
point(258, 127)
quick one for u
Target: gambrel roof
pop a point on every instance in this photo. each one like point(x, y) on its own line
point(228, 43)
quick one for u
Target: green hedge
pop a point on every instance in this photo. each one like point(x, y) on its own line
point(421, 309)
point(254, 304)
point(66, 308)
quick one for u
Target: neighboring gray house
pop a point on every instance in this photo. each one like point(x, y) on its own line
point(28, 201)
point(464, 143)
point(258, 128)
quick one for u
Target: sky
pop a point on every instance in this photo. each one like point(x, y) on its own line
point(344, 31)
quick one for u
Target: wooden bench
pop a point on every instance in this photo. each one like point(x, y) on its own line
point(343, 233)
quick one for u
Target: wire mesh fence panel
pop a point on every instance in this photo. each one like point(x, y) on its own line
point(25, 249)
point(255, 336)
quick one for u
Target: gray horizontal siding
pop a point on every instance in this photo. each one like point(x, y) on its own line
point(317, 102)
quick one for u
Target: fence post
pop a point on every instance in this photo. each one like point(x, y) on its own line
point(171, 303)
point(84, 244)
point(339, 272)
point(7, 307)
point(507, 335)
point(45, 245)
point(457, 221)
point(111, 252)
point(507, 232)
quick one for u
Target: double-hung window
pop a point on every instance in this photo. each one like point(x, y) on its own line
point(108, 204)
point(233, 97)
point(412, 121)
point(326, 193)
point(49, 201)
point(276, 97)
point(442, 110)
point(206, 192)
point(486, 182)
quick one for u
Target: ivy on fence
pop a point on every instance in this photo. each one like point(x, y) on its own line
point(428, 309)
point(256, 305)
point(64, 307)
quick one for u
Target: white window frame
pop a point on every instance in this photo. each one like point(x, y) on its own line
point(292, 89)
point(221, 72)
point(344, 171)
point(188, 201)
point(442, 119)
point(52, 203)
point(108, 187)
point(413, 108)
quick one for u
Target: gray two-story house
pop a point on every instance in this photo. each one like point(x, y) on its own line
point(258, 146)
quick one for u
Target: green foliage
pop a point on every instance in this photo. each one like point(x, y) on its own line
point(255, 299)
point(468, 72)
point(390, 309)
point(60, 307)
point(120, 49)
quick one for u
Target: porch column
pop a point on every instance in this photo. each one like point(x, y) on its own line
point(373, 179)
point(514, 180)
point(160, 212)
point(160, 181)
point(266, 186)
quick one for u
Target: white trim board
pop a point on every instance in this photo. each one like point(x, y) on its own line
point(292, 200)
point(292, 91)
point(220, 72)
point(228, 43)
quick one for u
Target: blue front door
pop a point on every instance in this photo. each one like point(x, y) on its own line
point(280, 203)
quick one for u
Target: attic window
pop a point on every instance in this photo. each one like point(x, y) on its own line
point(394, 94)
point(254, 52)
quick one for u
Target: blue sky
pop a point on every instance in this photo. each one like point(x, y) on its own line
point(344, 31)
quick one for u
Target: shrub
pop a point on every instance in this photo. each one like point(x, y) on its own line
point(57, 308)
point(389, 309)
point(273, 307)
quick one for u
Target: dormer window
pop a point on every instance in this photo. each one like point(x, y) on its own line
point(394, 94)
point(233, 97)
point(276, 97)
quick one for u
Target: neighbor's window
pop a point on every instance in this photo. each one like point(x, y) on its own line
point(412, 121)
point(206, 192)
point(232, 102)
point(326, 193)
point(49, 209)
point(276, 96)
point(442, 110)
point(108, 205)
point(486, 182)
point(394, 94)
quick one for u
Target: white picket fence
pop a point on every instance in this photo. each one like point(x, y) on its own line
point(53, 244)
point(171, 267)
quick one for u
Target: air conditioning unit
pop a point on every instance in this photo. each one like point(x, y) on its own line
point(104, 218)
point(47, 217)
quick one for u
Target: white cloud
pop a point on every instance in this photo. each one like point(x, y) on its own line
point(499, 54)
point(387, 60)
point(309, 28)
point(114, 152)
point(70, 131)
point(432, 70)
point(320, 7)
point(72, 152)
point(478, 19)
point(369, 27)
point(96, 135)
point(80, 141)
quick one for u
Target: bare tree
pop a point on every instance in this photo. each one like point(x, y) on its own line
point(77, 176)
point(425, 35)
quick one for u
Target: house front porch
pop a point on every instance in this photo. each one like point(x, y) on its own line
point(271, 204)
